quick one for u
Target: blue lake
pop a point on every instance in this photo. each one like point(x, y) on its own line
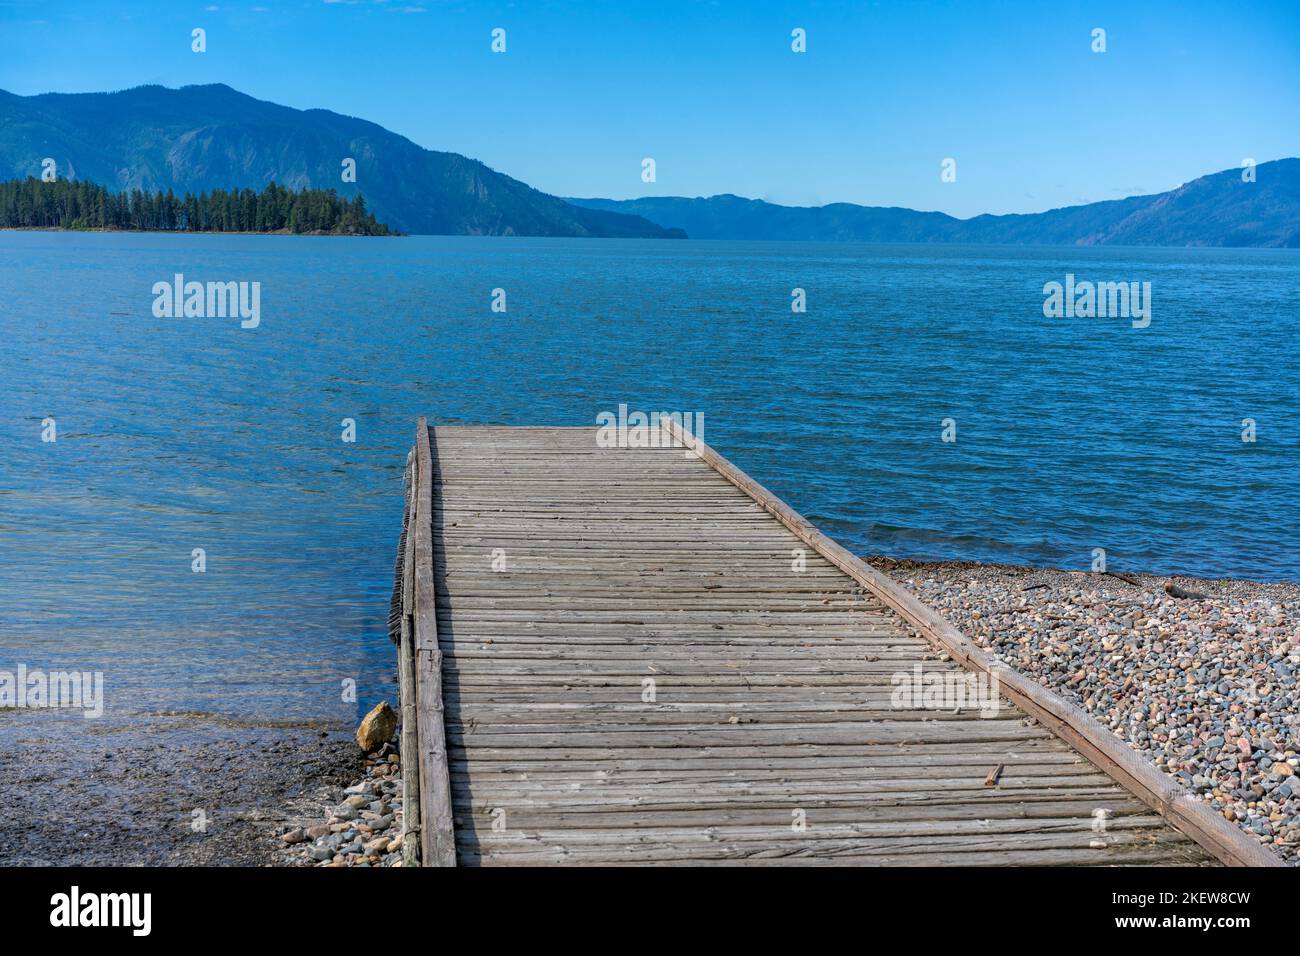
point(175, 434)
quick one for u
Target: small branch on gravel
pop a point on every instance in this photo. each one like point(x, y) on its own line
point(1124, 577)
point(1034, 587)
point(1173, 590)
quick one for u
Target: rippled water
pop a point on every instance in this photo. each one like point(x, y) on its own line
point(175, 434)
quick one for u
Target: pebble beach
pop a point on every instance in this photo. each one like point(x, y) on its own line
point(1204, 685)
point(355, 826)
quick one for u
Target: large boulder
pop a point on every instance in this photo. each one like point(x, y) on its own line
point(377, 728)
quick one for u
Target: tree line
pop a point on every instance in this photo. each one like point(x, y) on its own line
point(73, 204)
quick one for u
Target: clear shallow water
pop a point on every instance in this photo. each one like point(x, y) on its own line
point(175, 434)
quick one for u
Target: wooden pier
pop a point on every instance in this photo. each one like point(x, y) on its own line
point(639, 655)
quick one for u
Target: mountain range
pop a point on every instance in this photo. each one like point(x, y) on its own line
point(199, 138)
point(1216, 210)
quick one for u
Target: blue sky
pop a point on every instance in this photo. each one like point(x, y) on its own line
point(713, 92)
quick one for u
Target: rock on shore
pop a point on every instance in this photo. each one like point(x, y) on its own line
point(377, 727)
point(1205, 688)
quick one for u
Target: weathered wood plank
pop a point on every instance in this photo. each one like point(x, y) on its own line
point(437, 840)
point(407, 687)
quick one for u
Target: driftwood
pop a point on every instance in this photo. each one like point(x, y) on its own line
point(1124, 577)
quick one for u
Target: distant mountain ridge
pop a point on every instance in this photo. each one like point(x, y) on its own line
point(200, 138)
point(1215, 210)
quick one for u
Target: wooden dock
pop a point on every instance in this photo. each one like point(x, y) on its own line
point(638, 655)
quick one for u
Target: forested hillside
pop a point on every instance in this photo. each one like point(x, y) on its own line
point(63, 204)
point(202, 138)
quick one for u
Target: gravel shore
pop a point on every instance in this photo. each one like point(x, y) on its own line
point(359, 825)
point(169, 790)
point(1204, 686)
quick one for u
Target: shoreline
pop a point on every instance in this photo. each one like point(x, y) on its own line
point(204, 232)
point(1203, 686)
point(1205, 689)
point(160, 790)
point(883, 562)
